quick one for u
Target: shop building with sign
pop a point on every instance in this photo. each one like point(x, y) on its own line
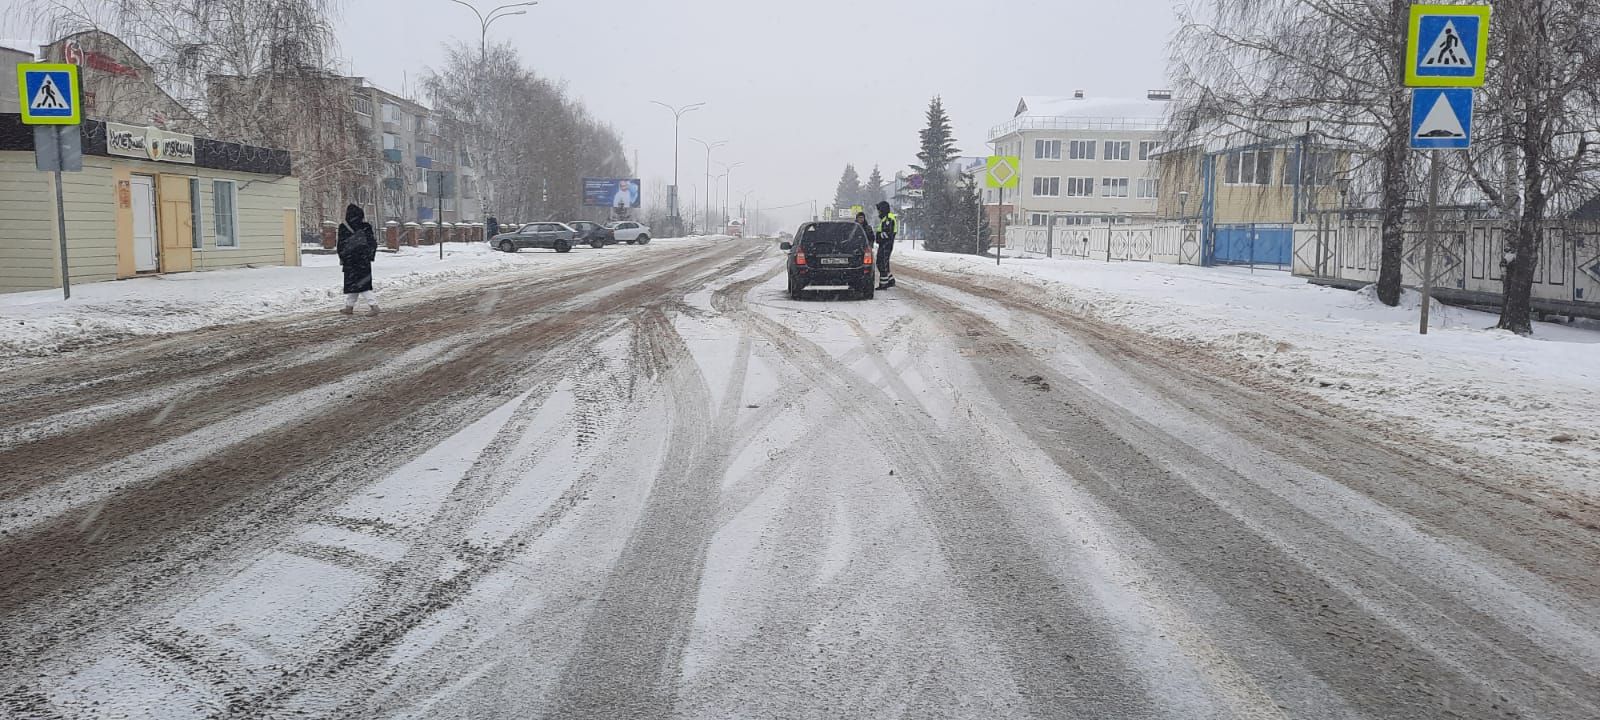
point(149, 200)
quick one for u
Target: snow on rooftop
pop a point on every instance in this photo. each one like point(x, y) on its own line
point(1095, 107)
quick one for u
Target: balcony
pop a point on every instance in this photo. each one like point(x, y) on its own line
point(394, 156)
point(424, 162)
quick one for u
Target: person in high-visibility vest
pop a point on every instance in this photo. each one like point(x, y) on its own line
point(888, 228)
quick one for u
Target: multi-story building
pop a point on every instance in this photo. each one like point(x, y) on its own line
point(1083, 160)
point(426, 173)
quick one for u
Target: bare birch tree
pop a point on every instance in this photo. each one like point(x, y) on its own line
point(252, 71)
point(1537, 151)
point(1330, 66)
point(537, 144)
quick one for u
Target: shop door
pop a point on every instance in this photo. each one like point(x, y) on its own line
point(177, 225)
point(146, 256)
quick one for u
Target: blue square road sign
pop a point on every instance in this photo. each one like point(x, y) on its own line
point(1441, 118)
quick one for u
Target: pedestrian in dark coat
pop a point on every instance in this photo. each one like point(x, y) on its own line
point(358, 247)
point(493, 227)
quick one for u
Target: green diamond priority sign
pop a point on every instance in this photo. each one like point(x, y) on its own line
point(1002, 172)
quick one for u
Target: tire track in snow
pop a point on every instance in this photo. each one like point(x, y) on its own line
point(1057, 646)
point(626, 663)
point(401, 606)
point(1367, 608)
point(230, 499)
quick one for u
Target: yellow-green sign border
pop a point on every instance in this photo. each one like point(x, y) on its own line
point(76, 118)
point(1414, 40)
point(993, 161)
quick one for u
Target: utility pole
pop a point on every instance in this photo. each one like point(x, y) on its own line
point(677, 116)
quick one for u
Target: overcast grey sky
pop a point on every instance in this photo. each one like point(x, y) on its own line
point(798, 88)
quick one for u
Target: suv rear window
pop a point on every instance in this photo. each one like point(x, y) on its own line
point(835, 233)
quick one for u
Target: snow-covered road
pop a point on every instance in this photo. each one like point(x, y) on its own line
point(658, 488)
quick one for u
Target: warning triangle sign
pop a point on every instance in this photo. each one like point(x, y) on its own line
point(1441, 122)
point(1448, 50)
point(48, 97)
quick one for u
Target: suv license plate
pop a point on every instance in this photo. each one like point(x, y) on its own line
point(836, 261)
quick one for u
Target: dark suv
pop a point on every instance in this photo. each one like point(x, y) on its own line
point(831, 253)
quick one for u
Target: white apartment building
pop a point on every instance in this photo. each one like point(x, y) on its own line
point(1084, 160)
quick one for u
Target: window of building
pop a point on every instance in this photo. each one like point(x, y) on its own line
point(1080, 187)
point(392, 114)
point(225, 212)
point(1118, 150)
point(391, 141)
point(419, 124)
point(1037, 219)
point(1046, 187)
point(1148, 187)
point(197, 227)
point(1047, 149)
point(363, 195)
point(1147, 148)
point(1319, 172)
point(425, 149)
point(361, 104)
point(1081, 150)
point(1113, 187)
point(1249, 167)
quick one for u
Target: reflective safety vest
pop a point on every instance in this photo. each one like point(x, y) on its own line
point(889, 226)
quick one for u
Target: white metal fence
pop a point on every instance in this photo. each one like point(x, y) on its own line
point(1174, 243)
point(1467, 258)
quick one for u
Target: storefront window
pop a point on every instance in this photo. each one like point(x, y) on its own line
point(225, 203)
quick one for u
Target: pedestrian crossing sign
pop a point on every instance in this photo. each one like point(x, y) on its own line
point(1447, 46)
point(50, 94)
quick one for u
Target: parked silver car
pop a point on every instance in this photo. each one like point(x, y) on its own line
point(551, 235)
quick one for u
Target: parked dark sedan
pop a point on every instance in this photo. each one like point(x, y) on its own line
point(593, 233)
point(553, 235)
point(831, 253)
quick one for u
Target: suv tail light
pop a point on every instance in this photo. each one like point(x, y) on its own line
point(799, 257)
point(866, 258)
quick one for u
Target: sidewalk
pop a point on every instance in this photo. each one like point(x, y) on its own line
point(40, 323)
point(1530, 401)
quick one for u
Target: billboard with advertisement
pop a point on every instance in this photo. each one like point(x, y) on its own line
point(612, 192)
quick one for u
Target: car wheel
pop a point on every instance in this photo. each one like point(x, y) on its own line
point(507, 246)
point(630, 242)
point(644, 240)
point(597, 244)
point(866, 291)
point(563, 246)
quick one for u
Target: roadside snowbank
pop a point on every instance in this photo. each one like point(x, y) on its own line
point(41, 323)
point(1527, 401)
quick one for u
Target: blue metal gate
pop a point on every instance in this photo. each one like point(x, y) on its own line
point(1253, 244)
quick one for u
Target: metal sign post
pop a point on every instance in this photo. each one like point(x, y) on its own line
point(1001, 172)
point(51, 96)
point(1447, 48)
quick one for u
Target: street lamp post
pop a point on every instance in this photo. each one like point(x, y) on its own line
point(484, 21)
point(709, 147)
point(677, 115)
point(727, 188)
point(719, 204)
